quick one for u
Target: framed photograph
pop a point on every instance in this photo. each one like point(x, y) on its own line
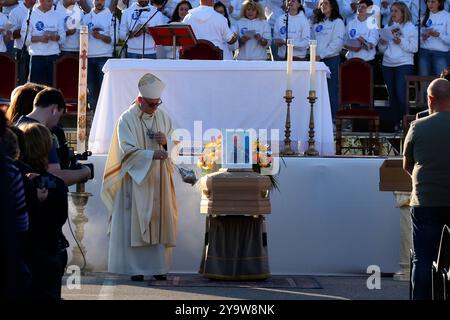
point(236, 149)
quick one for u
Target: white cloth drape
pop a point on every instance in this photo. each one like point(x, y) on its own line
point(221, 94)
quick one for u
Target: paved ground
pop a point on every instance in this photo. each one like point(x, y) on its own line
point(103, 286)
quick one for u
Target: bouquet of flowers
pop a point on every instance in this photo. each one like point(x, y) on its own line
point(211, 157)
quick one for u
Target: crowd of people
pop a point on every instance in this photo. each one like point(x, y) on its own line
point(384, 30)
point(35, 160)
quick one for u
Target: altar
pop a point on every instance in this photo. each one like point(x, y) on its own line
point(329, 218)
point(204, 95)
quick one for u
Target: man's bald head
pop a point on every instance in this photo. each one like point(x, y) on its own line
point(439, 95)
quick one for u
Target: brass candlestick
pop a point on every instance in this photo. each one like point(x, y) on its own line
point(311, 142)
point(287, 131)
point(80, 199)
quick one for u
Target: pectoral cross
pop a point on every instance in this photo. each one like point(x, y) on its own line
point(84, 58)
point(150, 134)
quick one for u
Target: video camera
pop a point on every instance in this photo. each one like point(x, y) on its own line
point(75, 157)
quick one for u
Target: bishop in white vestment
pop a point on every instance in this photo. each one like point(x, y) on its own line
point(138, 187)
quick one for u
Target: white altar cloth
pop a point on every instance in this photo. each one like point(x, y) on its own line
point(220, 94)
point(328, 218)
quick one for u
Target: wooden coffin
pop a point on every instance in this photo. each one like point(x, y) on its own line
point(235, 191)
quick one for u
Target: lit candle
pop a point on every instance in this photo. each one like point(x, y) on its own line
point(312, 65)
point(290, 54)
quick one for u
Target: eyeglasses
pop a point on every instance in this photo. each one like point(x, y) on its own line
point(152, 105)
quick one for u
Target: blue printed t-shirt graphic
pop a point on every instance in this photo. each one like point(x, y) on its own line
point(352, 33)
point(135, 15)
point(319, 28)
point(243, 31)
point(429, 23)
point(39, 26)
point(90, 25)
point(283, 30)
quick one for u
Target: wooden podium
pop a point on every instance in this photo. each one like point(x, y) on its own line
point(174, 34)
point(393, 177)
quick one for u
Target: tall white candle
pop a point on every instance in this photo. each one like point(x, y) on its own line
point(290, 55)
point(82, 90)
point(312, 65)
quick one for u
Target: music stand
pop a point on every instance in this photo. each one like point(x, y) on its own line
point(175, 34)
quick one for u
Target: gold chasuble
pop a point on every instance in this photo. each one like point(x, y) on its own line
point(140, 195)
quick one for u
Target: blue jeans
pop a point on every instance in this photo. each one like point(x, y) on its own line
point(95, 79)
point(427, 224)
point(395, 80)
point(333, 83)
point(431, 63)
point(41, 69)
point(139, 55)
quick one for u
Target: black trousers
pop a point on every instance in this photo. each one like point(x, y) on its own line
point(47, 270)
point(23, 66)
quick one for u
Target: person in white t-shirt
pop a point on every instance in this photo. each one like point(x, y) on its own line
point(398, 59)
point(228, 49)
point(299, 31)
point(100, 48)
point(254, 32)
point(17, 17)
point(140, 42)
point(362, 34)
point(72, 15)
point(210, 25)
point(5, 33)
point(434, 55)
point(329, 31)
point(45, 34)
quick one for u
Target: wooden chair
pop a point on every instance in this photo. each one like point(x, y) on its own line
point(8, 79)
point(65, 78)
point(416, 98)
point(203, 50)
point(356, 87)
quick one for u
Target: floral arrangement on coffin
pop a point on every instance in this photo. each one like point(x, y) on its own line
point(211, 158)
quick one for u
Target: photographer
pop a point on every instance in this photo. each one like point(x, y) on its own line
point(46, 249)
point(48, 107)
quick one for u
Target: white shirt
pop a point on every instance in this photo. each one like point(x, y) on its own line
point(367, 29)
point(41, 22)
point(440, 22)
point(132, 19)
point(3, 26)
point(403, 53)
point(209, 24)
point(330, 37)
point(72, 17)
point(16, 17)
point(252, 50)
point(299, 31)
point(102, 20)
